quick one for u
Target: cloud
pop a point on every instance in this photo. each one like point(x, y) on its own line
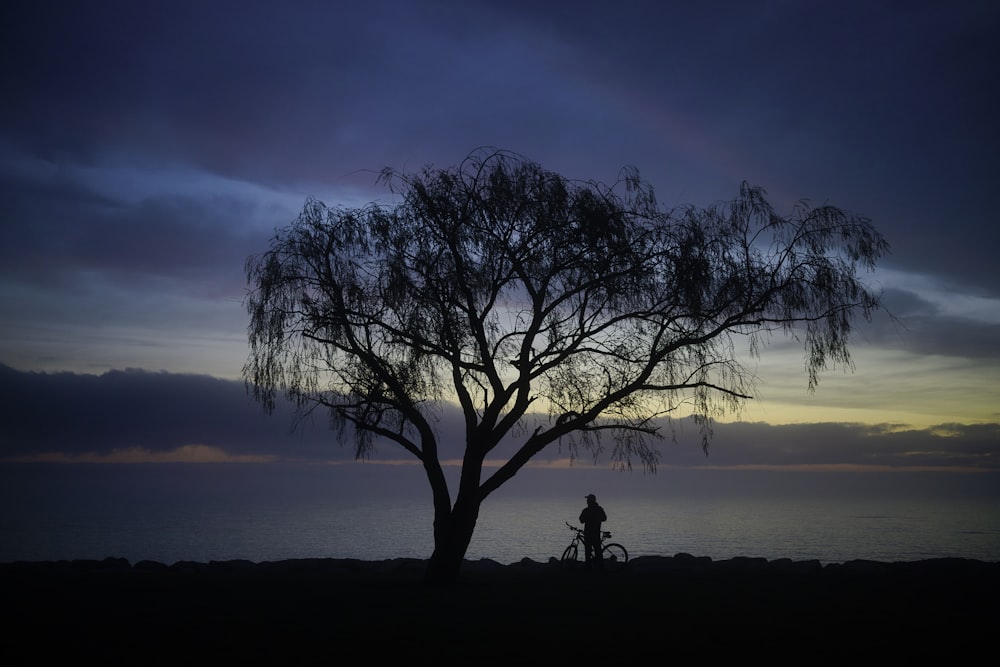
point(129, 413)
point(860, 446)
point(184, 454)
point(935, 319)
point(132, 222)
point(152, 147)
point(132, 416)
point(128, 259)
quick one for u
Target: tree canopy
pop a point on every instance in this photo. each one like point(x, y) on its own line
point(526, 298)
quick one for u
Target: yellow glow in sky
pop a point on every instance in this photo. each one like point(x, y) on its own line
point(887, 386)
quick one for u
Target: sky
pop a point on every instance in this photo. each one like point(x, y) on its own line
point(148, 148)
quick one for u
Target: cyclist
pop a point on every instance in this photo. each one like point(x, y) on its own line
point(591, 517)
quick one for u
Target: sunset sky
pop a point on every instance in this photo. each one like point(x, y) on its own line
point(148, 148)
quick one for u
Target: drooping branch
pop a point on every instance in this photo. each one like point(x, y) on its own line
point(504, 287)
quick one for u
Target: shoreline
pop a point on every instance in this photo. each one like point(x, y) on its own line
point(644, 564)
point(305, 610)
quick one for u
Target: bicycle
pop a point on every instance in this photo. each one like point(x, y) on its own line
point(613, 554)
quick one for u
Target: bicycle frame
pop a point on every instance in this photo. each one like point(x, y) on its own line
point(613, 555)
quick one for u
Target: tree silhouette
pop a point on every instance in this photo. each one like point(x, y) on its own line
point(573, 309)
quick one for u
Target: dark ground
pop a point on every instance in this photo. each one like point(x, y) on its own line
point(659, 609)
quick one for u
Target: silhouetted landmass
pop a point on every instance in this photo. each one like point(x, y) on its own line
point(323, 610)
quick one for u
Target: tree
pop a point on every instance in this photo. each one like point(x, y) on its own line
point(570, 309)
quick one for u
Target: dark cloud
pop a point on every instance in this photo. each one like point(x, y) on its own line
point(72, 414)
point(116, 219)
point(881, 445)
point(283, 92)
point(147, 148)
point(918, 325)
point(180, 78)
point(951, 336)
point(78, 414)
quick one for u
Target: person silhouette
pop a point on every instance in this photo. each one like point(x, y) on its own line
point(591, 517)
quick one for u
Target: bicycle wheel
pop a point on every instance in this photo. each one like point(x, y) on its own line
point(569, 556)
point(615, 557)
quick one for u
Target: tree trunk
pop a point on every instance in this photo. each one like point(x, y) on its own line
point(453, 529)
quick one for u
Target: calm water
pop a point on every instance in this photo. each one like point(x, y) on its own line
point(174, 513)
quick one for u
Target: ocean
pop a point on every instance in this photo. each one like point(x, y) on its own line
point(262, 512)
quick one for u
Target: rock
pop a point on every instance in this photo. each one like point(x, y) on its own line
point(789, 566)
point(150, 566)
point(742, 564)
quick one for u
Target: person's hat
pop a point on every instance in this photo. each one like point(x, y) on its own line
point(590, 495)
